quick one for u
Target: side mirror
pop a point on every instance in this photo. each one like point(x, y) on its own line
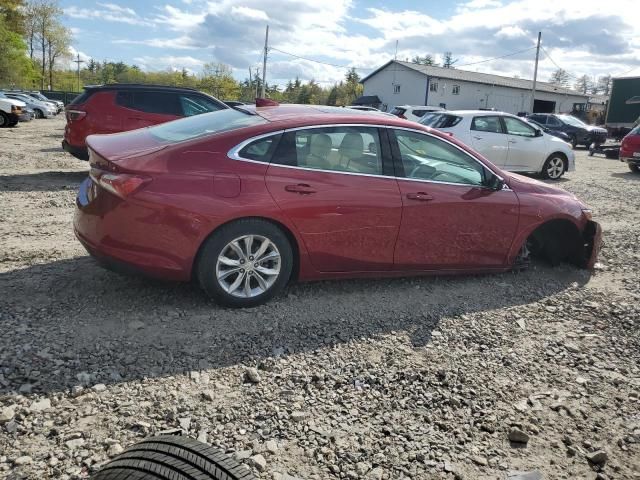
point(496, 183)
point(538, 133)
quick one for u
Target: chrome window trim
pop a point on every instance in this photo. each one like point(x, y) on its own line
point(234, 153)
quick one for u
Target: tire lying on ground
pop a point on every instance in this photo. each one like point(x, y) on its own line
point(170, 457)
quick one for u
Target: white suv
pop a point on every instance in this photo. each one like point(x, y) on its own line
point(413, 112)
point(508, 141)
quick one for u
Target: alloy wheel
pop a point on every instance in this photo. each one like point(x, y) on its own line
point(555, 168)
point(248, 266)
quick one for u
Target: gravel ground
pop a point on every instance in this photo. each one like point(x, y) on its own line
point(469, 378)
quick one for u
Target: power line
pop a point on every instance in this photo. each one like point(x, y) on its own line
point(546, 54)
point(496, 58)
point(318, 61)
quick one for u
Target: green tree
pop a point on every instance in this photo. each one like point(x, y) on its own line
point(13, 13)
point(15, 67)
point(58, 41)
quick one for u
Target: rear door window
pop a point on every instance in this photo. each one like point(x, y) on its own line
point(340, 149)
point(398, 111)
point(164, 103)
point(260, 150)
point(489, 124)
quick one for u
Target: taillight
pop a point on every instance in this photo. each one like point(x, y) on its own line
point(16, 109)
point(74, 115)
point(120, 184)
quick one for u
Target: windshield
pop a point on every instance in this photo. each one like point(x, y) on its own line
point(572, 120)
point(440, 120)
point(205, 124)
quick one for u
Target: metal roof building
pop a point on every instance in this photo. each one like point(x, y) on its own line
point(400, 83)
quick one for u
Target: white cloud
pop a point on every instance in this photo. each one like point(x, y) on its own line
point(109, 12)
point(579, 35)
point(176, 63)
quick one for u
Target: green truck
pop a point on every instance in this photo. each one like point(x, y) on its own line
point(623, 111)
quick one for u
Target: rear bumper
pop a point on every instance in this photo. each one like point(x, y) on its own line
point(114, 233)
point(79, 152)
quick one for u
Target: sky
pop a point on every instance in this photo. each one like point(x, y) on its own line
point(320, 39)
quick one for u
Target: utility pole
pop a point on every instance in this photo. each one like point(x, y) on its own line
point(264, 62)
point(250, 82)
point(256, 76)
point(78, 62)
point(535, 74)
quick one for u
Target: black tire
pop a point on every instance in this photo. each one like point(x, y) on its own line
point(4, 120)
point(38, 113)
point(218, 242)
point(553, 160)
point(12, 124)
point(633, 167)
point(169, 457)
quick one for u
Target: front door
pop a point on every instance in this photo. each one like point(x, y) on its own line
point(526, 150)
point(331, 184)
point(450, 219)
point(488, 138)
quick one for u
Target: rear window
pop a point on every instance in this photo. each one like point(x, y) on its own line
point(440, 120)
point(82, 98)
point(164, 103)
point(200, 125)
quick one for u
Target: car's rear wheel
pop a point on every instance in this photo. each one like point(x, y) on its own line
point(634, 168)
point(554, 167)
point(169, 457)
point(38, 113)
point(4, 120)
point(245, 263)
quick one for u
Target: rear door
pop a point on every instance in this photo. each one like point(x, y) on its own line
point(336, 185)
point(488, 138)
point(142, 108)
point(527, 152)
point(450, 219)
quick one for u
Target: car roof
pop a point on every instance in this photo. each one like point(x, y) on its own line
point(419, 106)
point(479, 113)
point(138, 86)
point(296, 115)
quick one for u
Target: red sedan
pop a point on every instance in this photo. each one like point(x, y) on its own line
point(246, 200)
point(630, 150)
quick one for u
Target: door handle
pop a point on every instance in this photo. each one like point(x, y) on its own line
point(301, 188)
point(421, 196)
point(512, 141)
point(478, 138)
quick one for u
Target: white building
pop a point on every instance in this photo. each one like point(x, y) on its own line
point(405, 83)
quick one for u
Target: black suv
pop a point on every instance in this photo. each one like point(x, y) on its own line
point(121, 107)
point(579, 132)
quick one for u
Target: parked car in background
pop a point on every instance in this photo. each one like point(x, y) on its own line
point(630, 149)
point(508, 141)
point(364, 108)
point(39, 96)
point(41, 109)
point(413, 112)
point(10, 111)
point(120, 107)
point(245, 200)
point(556, 133)
point(579, 132)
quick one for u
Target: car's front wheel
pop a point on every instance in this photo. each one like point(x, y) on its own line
point(38, 113)
point(245, 263)
point(554, 167)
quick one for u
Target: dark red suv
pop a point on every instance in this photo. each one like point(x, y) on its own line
point(122, 107)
